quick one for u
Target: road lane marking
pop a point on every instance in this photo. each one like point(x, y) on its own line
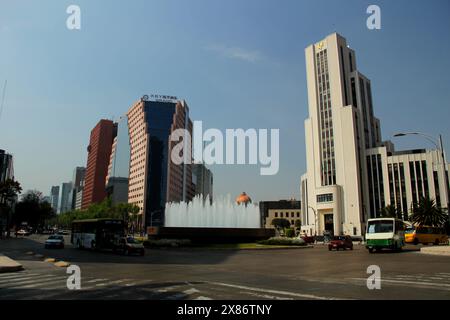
point(191, 291)
point(202, 298)
point(169, 288)
point(280, 292)
point(413, 283)
point(96, 280)
point(264, 296)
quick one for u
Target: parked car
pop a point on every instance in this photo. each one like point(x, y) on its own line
point(308, 239)
point(22, 232)
point(128, 246)
point(63, 232)
point(340, 242)
point(54, 241)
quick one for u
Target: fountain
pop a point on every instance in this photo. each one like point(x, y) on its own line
point(221, 221)
point(222, 213)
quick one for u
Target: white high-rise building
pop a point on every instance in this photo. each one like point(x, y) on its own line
point(351, 174)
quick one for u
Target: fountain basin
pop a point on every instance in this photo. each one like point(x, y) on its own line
point(211, 235)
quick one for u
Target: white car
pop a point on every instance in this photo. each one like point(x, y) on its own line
point(22, 232)
point(55, 241)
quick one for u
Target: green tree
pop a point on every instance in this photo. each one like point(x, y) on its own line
point(426, 213)
point(298, 224)
point(33, 210)
point(391, 211)
point(105, 209)
point(280, 223)
point(9, 190)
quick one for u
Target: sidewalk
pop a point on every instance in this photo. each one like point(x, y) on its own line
point(9, 265)
point(437, 250)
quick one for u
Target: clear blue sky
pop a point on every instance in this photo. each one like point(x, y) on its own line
point(237, 63)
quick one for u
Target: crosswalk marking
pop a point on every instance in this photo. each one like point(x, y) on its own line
point(15, 275)
point(415, 281)
point(26, 281)
point(276, 292)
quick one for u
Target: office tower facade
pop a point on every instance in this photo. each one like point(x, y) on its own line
point(119, 164)
point(402, 178)
point(203, 180)
point(99, 153)
point(65, 198)
point(6, 166)
point(78, 186)
point(348, 166)
point(54, 197)
point(154, 179)
point(339, 128)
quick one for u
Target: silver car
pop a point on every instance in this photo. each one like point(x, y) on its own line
point(54, 241)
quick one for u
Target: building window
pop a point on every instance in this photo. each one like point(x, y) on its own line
point(425, 179)
point(413, 182)
point(276, 214)
point(436, 188)
point(325, 198)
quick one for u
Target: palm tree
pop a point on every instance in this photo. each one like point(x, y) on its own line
point(390, 211)
point(426, 213)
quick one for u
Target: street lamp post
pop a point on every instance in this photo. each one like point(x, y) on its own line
point(315, 220)
point(440, 146)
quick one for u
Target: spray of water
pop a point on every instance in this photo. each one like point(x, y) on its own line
point(222, 213)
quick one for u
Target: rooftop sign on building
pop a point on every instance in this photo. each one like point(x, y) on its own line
point(160, 98)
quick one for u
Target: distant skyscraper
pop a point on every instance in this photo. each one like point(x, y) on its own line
point(119, 164)
point(203, 180)
point(65, 197)
point(6, 166)
point(77, 185)
point(154, 179)
point(54, 197)
point(99, 153)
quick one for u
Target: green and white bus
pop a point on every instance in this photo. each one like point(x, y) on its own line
point(97, 233)
point(385, 233)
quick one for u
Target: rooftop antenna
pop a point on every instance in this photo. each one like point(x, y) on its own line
point(3, 98)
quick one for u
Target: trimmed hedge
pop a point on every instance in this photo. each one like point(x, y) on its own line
point(281, 241)
point(167, 243)
point(289, 232)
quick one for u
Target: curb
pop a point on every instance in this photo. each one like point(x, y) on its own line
point(437, 251)
point(9, 265)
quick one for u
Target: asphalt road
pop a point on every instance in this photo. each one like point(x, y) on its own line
point(312, 273)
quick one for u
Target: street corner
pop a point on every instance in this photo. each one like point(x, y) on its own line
point(436, 250)
point(9, 265)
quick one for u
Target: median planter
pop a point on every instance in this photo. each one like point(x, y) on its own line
point(281, 241)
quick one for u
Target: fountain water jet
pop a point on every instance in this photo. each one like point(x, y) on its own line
point(222, 213)
point(224, 221)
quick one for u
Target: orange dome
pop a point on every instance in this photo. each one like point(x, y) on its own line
point(243, 198)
